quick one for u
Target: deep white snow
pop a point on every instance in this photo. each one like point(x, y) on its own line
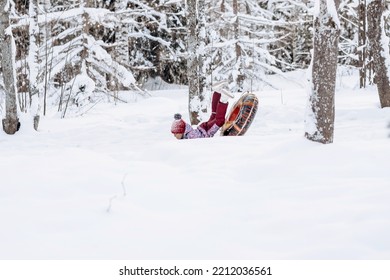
point(115, 184)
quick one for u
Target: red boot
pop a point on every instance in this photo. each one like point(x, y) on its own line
point(221, 112)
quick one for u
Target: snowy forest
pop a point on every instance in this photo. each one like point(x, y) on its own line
point(91, 169)
point(69, 55)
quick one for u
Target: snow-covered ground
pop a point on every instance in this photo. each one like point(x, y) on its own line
point(115, 184)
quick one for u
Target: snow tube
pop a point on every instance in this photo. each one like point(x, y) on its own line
point(241, 115)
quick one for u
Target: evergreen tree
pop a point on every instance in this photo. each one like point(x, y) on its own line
point(349, 27)
point(238, 43)
point(157, 37)
point(292, 49)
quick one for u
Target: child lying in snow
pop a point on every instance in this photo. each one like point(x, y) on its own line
point(182, 130)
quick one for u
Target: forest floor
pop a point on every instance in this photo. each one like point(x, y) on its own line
point(115, 184)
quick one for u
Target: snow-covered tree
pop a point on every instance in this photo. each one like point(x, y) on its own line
point(240, 36)
point(349, 26)
point(362, 43)
point(379, 46)
point(157, 40)
point(33, 64)
point(83, 65)
point(294, 31)
point(320, 110)
point(110, 43)
point(7, 45)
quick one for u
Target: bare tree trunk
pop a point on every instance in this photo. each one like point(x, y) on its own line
point(379, 49)
point(202, 37)
point(7, 45)
point(321, 113)
point(46, 5)
point(236, 26)
point(362, 35)
point(35, 96)
point(195, 69)
point(193, 83)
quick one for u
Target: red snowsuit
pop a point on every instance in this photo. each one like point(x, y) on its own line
point(216, 120)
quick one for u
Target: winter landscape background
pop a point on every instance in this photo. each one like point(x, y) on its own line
point(115, 184)
point(102, 177)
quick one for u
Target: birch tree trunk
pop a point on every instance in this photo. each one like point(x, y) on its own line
point(362, 36)
point(320, 113)
point(7, 45)
point(202, 37)
point(239, 59)
point(33, 54)
point(195, 65)
point(46, 4)
point(193, 83)
point(379, 48)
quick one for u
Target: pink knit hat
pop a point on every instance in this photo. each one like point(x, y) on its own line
point(178, 125)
